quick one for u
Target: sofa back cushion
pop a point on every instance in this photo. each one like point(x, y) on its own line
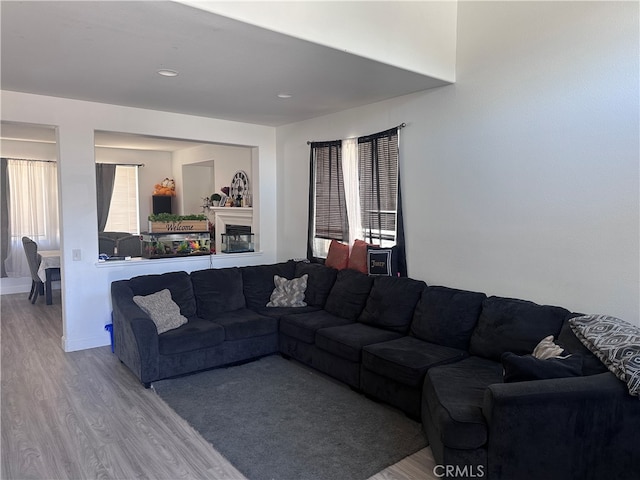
point(391, 303)
point(178, 284)
point(217, 290)
point(258, 282)
point(349, 294)
point(319, 284)
point(512, 325)
point(591, 364)
point(447, 316)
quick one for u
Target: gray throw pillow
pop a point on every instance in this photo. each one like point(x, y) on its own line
point(547, 349)
point(288, 293)
point(164, 312)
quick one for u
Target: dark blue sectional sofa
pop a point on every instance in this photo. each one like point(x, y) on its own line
point(433, 352)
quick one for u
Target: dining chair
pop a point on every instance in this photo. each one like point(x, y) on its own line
point(33, 259)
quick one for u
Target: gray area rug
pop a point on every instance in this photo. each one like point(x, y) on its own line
point(276, 419)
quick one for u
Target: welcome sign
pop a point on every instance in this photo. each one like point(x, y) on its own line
point(182, 226)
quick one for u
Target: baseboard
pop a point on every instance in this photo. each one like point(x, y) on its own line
point(74, 345)
point(12, 285)
point(9, 286)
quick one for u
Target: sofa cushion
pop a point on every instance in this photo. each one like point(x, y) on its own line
point(258, 281)
point(454, 395)
point(164, 312)
point(523, 368)
point(391, 303)
point(303, 326)
point(245, 323)
point(447, 316)
point(288, 292)
point(346, 341)
point(349, 294)
point(591, 365)
point(178, 283)
point(217, 290)
point(512, 325)
point(319, 284)
point(407, 359)
point(197, 333)
point(277, 312)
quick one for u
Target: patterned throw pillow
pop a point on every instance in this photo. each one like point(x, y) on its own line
point(615, 342)
point(164, 312)
point(288, 293)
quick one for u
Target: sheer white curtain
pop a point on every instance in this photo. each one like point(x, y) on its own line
point(33, 210)
point(352, 188)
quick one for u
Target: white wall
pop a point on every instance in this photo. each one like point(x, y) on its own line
point(416, 36)
point(522, 179)
point(27, 150)
point(85, 284)
point(227, 160)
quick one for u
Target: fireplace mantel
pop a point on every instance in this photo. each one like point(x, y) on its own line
point(230, 216)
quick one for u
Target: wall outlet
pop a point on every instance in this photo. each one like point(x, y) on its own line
point(77, 254)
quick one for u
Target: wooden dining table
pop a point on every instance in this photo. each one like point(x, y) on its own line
point(49, 265)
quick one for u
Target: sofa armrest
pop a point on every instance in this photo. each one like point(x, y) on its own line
point(577, 427)
point(135, 334)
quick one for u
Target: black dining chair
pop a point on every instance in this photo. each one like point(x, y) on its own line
point(33, 259)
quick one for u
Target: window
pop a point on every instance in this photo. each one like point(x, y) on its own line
point(367, 176)
point(123, 208)
point(328, 218)
point(31, 204)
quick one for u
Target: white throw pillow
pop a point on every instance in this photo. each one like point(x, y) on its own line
point(164, 312)
point(547, 349)
point(288, 293)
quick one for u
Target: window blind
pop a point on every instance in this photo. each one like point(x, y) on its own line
point(378, 170)
point(330, 219)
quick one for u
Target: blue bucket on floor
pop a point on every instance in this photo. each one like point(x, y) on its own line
point(109, 328)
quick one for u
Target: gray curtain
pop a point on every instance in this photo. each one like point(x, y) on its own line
point(105, 177)
point(4, 215)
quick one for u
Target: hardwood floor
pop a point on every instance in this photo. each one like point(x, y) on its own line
point(83, 415)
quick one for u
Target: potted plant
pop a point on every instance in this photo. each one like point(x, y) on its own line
point(215, 199)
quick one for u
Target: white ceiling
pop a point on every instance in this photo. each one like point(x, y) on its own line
point(109, 52)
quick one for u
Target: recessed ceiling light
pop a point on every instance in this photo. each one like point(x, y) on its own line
point(165, 72)
point(284, 95)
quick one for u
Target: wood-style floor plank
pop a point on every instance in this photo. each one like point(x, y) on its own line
point(83, 415)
